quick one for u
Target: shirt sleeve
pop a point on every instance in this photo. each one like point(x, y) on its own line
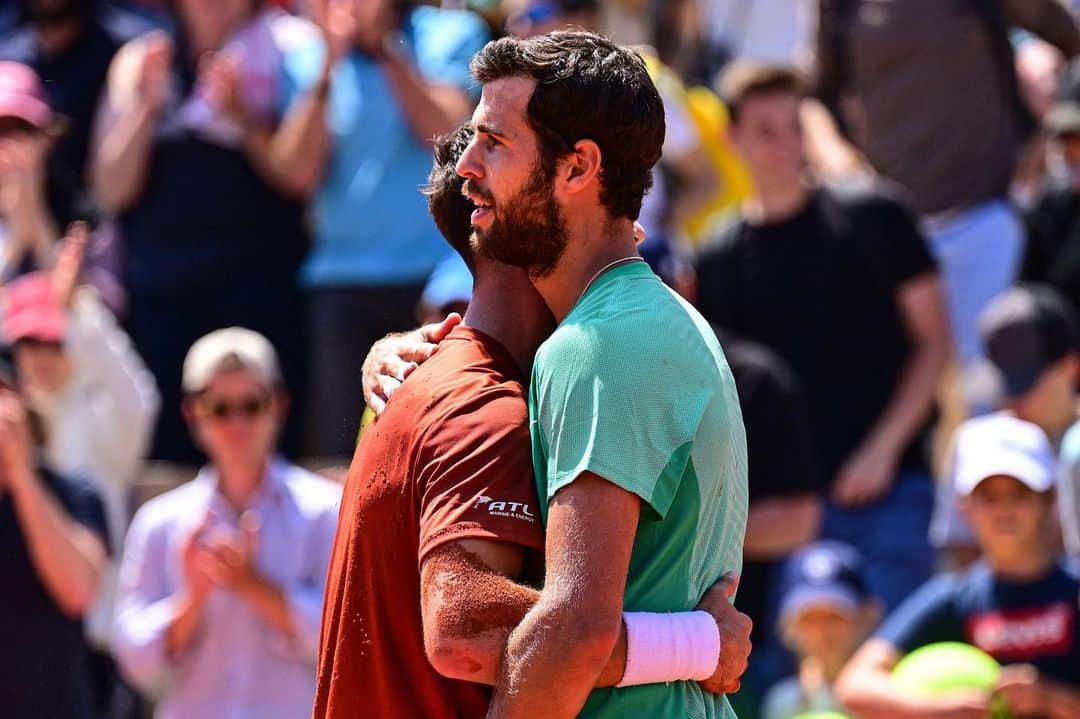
point(908, 254)
point(927, 617)
point(475, 468)
point(144, 605)
point(609, 412)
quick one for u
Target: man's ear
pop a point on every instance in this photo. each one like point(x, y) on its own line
point(582, 167)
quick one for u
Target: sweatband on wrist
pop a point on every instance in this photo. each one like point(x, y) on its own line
point(669, 647)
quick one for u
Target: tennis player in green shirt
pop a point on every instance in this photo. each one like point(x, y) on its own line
point(638, 443)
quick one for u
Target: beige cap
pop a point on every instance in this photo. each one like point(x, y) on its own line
point(233, 346)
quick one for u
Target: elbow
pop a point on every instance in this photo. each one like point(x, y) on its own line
point(591, 634)
point(457, 657)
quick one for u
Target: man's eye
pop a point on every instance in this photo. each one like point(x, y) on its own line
point(490, 142)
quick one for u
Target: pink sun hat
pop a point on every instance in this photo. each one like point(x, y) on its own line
point(33, 310)
point(23, 96)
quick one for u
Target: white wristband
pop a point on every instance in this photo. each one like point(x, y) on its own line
point(683, 646)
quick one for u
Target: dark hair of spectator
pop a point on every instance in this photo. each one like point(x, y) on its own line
point(746, 80)
point(587, 87)
point(450, 208)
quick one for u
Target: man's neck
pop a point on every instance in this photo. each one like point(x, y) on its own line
point(56, 37)
point(777, 204)
point(1021, 567)
point(507, 308)
point(589, 251)
point(238, 481)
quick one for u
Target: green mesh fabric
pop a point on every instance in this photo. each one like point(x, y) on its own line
point(633, 387)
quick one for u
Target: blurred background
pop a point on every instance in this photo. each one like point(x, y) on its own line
point(875, 202)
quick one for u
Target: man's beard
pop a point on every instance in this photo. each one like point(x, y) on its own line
point(528, 230)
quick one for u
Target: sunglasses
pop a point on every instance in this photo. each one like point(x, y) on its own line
point(248, 408)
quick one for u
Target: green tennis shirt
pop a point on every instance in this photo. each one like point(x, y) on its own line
point(633, 386)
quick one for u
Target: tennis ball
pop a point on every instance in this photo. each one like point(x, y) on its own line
point(949, 666)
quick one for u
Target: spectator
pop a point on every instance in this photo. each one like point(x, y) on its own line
point(182, 155)
point(54, 547)
point(27, 230)
point(1032, 342)
point(222, 579)
point(786, 496)
point(825, 614)
point(838, 282)
point(390, 77)
point(955, 155)
point(70, 44)
point(1018, 604)
point(82, 379)
point(1053, 251)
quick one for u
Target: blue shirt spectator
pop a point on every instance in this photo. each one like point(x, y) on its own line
point(222, 579)
point(371, 223)
point(369, 100)
point(240, 665)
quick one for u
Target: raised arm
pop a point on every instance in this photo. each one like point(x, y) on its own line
point(137, 89)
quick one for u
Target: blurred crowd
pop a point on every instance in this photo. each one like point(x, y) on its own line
point(209, 212)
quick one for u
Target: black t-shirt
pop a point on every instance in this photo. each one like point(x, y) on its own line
point(779, 447)
point(820, 289)
point(1053, 248)
point(1029, 623)
point(44, 658)
point(74, 80)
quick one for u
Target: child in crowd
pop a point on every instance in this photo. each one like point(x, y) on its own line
point(1017, 603)
point(825, 613)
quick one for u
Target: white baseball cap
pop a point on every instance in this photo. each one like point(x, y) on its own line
point(236, 346)
point(1003, 445)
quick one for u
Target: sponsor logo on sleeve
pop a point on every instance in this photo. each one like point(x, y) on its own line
point(509, 510)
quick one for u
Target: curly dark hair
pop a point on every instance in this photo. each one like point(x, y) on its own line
point(450, 208)
point(587, 87)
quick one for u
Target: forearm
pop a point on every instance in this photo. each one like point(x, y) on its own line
point(776, 527)
point(554, 646)
point(123, 157)
point(259, 149)
point(32, 230)
point(270, 603)
point(431, 110)
point(68, 558)
point(184, 624)
point(469, 616)
point(1062, 701)
point(299, 148)
point(872, 695)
